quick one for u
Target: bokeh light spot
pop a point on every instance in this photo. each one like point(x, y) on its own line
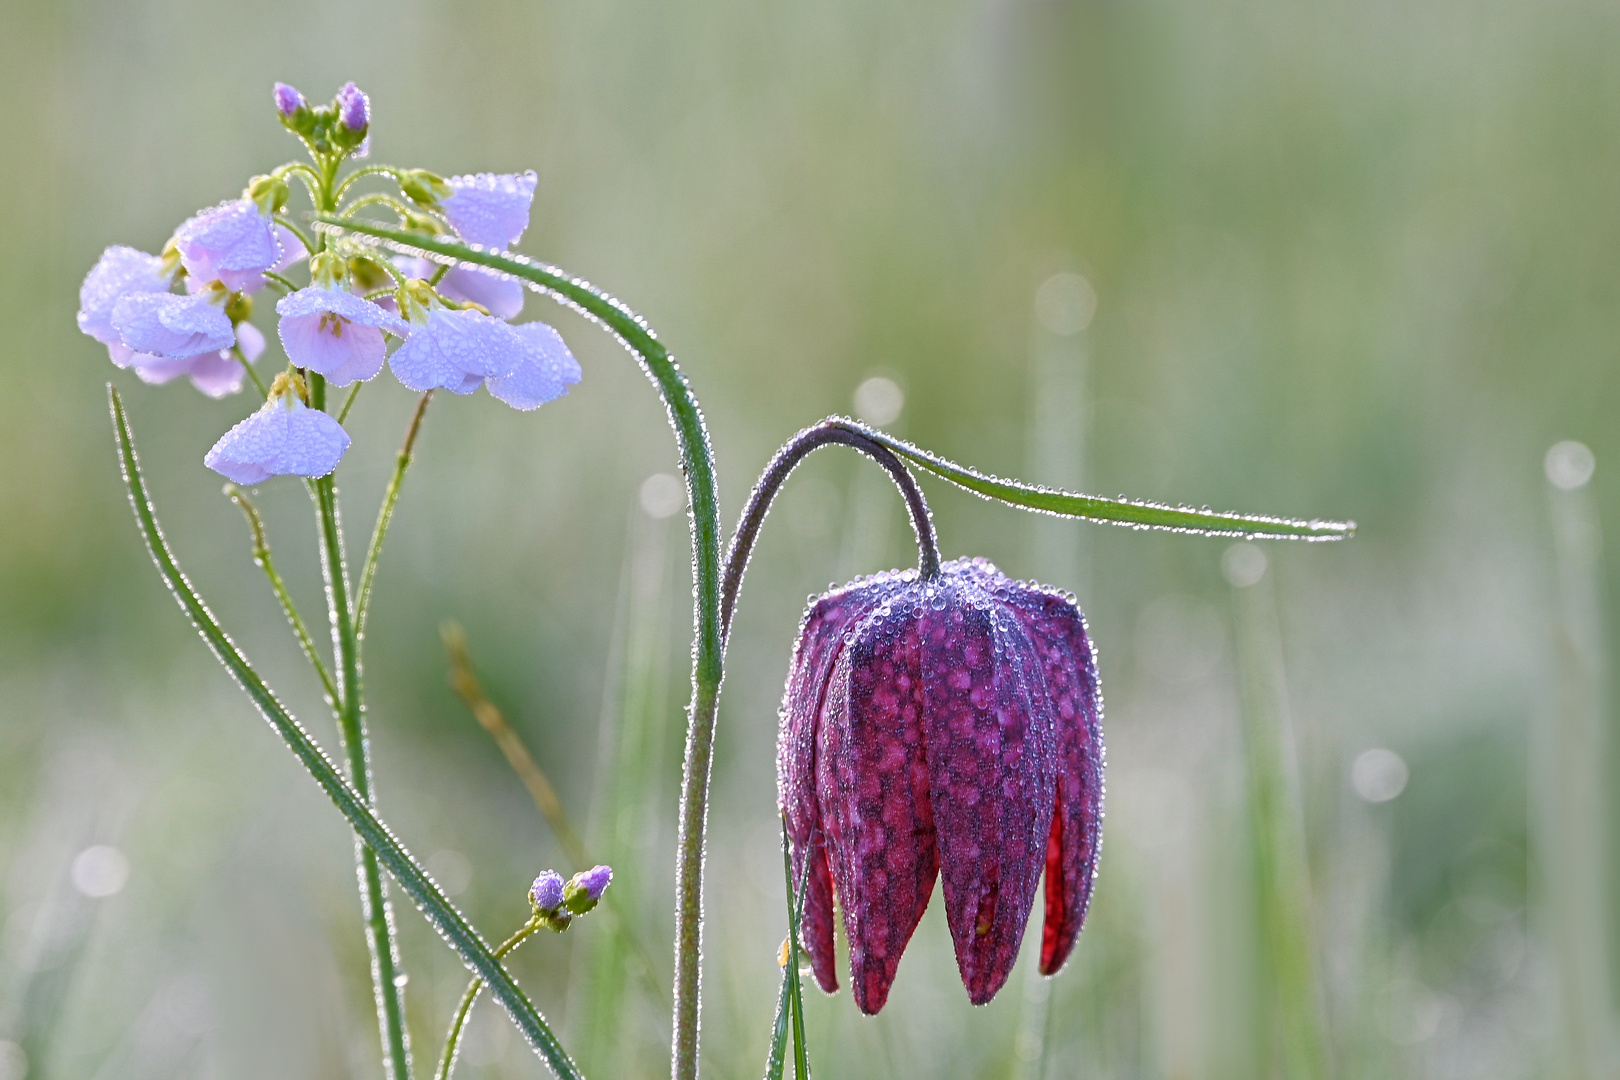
point(1378, 775)
point(100, 870)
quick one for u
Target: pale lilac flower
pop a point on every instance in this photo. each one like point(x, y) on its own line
point(354, 108)
point(288, 100)
point(547, 891)
point(458, 350)
point(500, 294)
point(330, 330)
point(544, 374)
point(490, 209)
point(233, 243)
point(293, 251)
point(285, 437)
point(164, 324)
point(119, 272)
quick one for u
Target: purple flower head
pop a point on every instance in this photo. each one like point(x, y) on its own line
point(490, 209)
point(233, 243)
point(547, 892)
point(166, 324)
point(288, 100)
point(544, 373)
point(119, 272)
point(354, 108)
point(328, 329)
point(285, 437)
point(946, 727)
point(499, 294)
point(458, 350)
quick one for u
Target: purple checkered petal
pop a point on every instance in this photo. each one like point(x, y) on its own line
point(119, 272)
point(232, 243)
point(165, 324)
point(544, 373)
point(490, 209)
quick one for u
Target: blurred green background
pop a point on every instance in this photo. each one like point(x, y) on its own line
point(1342, 259)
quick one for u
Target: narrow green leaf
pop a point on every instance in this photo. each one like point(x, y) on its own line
point(777, 1058)
point(1134, 512)
point(421, 888)
point(801, 1052)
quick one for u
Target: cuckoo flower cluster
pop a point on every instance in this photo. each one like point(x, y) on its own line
point(189, 309)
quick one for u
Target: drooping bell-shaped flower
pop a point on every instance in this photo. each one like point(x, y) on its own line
point(942, 727)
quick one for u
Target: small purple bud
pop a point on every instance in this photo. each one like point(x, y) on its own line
point(594, 881)
point(288, 100)
point(547, 891)
point(354, 108)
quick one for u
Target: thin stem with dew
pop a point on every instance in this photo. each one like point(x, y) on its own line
point(386, 514)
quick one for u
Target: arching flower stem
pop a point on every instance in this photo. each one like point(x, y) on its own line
point(829, 432)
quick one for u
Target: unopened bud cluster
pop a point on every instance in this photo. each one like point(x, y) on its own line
point(556, 902)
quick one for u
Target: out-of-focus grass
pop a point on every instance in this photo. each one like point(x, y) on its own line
point(1349, 260)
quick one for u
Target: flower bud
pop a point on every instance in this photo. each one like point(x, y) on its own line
point(424, 188)
point(546, 894)
point(268, 193)
point(239, 308)
point(585, 888)
point(288, 101)
point(354, 108)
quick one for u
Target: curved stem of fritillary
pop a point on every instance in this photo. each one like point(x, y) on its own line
point(385, 515)
point(832, 431)
point(458, 1023)
point(261, 556)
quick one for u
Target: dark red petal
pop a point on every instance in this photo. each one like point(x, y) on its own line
point(1058, 631)
point(991, 766)
point(821, 640)
point(873, 787)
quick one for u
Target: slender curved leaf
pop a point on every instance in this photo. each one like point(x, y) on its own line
point(421, 888)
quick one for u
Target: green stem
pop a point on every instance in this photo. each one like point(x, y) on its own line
point(385, 515)
point(390, 991)
point(348, 402)
point(287, 285)
point(452, 1038)
point(421, 888)
point(697, 461)
point(380, 198)
point(360, 174)
point(303, 237)
point(253, 376)
point(261, 555)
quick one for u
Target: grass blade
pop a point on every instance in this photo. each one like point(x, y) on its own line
point(421, 888)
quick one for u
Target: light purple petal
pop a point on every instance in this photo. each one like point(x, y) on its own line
point(293, 251)
point(250, 339)
point(168, 325)
point(354, 108)
point(288, 100)
point(595, 880)
point(344, 352)
point(501, 293)
point(119, 272)
point(491, 209)
point(285, 437)
point(232, 243)
point(457, 350)
point(415, 266)
point(217, 374)
point(157, 370)
point(545, 372)
point(316, 300)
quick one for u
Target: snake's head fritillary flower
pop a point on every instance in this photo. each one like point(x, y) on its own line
point(284, 438)
point(490, 209)
point(288, 101)
point(233, 243)
point(945, 727)
point(328, 329)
